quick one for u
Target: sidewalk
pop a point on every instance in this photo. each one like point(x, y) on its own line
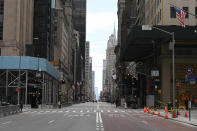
point(181, 117)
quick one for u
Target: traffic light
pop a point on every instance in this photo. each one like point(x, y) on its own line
point(62, 81)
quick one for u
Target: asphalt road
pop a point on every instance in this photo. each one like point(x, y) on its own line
point(89, 117)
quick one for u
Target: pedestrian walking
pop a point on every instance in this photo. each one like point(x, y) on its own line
point(21, 106)
point(125, 105)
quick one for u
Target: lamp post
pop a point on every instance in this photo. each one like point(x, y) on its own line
point(149, 27)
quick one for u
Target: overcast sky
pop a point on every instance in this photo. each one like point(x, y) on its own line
point(101, 15)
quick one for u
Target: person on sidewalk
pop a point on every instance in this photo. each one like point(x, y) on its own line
point(59, 105)
point(21, 105)
point(125, 105)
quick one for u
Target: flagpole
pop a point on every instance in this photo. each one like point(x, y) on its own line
point(183, 10)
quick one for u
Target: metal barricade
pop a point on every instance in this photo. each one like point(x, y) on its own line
point(8, 110)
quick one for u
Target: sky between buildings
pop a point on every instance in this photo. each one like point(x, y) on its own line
point(101, 15)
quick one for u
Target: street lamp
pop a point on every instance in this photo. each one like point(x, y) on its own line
point(149, 27)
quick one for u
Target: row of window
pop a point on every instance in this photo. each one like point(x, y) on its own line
point(186, 9)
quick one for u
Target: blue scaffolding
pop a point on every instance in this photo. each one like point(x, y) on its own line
point(30, 79)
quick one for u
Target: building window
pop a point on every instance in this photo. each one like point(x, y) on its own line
point(196, 12)
point(186, 9)
point(172, 12)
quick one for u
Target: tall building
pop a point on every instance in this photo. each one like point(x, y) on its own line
point(87, 69)
point(62, 34)
point(90, 79)
point(79, 16)
point(79, 19)
point(110, 65)
point(87, 60)
point(104, 75)
point(16, 26)
point(93, 84)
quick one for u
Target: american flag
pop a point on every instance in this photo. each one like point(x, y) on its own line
point(181, 16)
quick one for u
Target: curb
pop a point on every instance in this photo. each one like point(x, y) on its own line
point(181, 121)
point(177, 120)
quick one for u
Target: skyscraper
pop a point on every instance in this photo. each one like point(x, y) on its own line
point(110, 65)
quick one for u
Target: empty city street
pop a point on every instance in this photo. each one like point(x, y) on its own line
point(89, 117)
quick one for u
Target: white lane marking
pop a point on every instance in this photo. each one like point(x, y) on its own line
point(97, 128)
point(100, 118)
point(122, 111)
point(94, 110)
point(101, 110)
point(98, 106)
point(47, 111)
point(74, 111)
point(6, 123)
point(97, 118)
point(54, 111)
point(81, 111)
point(115, 111)
point(145, 122)
point(51, 121)
point(102, 129)
point(60, 111)
point(88, 111)
point(67, 111)
point(108, 111)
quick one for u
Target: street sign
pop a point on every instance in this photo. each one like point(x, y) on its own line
point(190, 78)
point(155, 73)
point(146, 27)
point(189, 71)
